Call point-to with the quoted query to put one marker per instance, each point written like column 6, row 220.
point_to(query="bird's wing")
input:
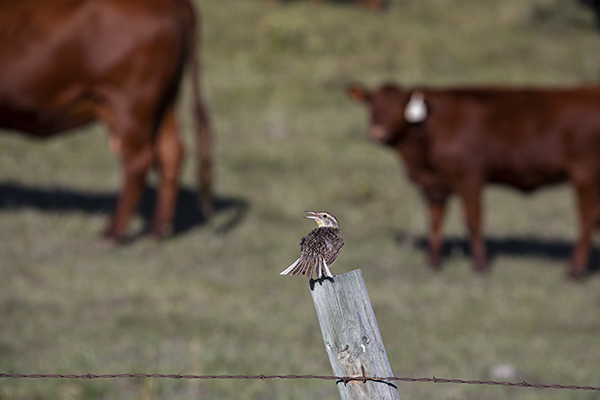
column 330, row 246
column 334, row 247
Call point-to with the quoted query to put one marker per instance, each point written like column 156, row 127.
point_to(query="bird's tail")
column 307, row 266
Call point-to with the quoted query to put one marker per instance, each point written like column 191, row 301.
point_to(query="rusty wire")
column 338, row 379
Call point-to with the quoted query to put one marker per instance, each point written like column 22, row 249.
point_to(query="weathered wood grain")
column 352, row 337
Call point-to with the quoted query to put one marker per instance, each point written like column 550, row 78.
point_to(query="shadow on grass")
column 187, row 216
column 554, row 249
column 386, row 3
column 327, row 1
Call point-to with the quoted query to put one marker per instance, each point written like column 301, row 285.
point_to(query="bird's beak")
column 313, row 216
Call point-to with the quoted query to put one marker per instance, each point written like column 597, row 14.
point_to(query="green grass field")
column 210, row 300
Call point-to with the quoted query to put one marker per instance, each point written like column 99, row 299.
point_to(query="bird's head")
column 323, row 218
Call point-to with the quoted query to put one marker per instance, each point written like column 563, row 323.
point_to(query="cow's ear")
column 358, row 93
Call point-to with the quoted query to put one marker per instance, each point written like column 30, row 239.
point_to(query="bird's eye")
column 325, row 216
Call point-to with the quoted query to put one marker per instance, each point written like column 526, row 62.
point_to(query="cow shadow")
column 188, row 214
column 386, row 3
column 348, row 2
column 552, row 249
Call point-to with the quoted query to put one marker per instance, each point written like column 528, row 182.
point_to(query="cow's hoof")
column 162, row 231
column 434, row 267
column 575, row 275
column 112, row 235
column 434, row 263
column 482, row 269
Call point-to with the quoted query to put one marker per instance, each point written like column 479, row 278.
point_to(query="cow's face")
column 387, row 106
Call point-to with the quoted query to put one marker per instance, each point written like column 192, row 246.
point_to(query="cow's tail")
column 203, row 131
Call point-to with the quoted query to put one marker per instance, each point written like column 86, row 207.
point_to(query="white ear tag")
column 416, row 110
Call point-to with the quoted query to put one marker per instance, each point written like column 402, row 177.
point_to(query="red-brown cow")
column 457, row 140
column 66, row 63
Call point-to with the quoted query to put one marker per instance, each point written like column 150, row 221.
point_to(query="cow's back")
column 521, row 137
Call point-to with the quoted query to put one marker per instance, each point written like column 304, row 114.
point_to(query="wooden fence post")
column 352, row 337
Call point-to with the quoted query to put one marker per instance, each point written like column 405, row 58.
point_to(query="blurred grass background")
column 211, row 301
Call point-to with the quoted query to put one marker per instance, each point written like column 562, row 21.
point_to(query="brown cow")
column 66, row 63
column 457, row 140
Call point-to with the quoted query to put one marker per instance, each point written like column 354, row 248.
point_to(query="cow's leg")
column 136, row 159
column 587, row 201
column 470, row 194
column 169, row 155
column 436, row 208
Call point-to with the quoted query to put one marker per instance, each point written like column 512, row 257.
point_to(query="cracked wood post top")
column 352, row 337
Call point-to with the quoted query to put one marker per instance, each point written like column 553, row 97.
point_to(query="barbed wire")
column 344, row 379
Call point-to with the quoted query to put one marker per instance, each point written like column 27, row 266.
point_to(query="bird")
column 319, row 249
